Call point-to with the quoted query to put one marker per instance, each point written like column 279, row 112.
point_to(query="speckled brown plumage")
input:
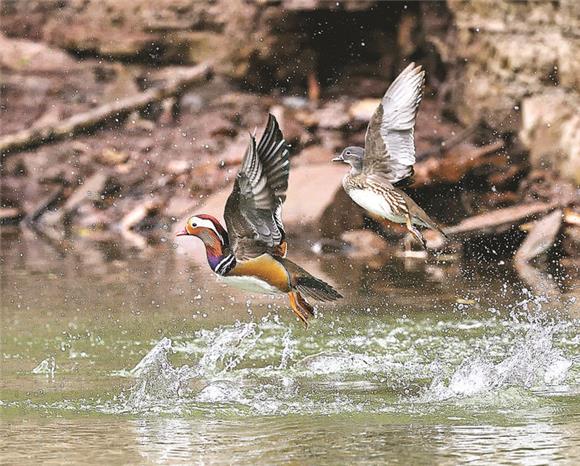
column 386, row 163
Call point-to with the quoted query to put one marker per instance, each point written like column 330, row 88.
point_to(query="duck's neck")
column 219, row 255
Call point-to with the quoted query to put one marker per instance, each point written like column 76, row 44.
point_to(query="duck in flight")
column 251, row 254
column 385, row 164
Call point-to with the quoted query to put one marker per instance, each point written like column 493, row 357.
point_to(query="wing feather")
column 253, row 209
column 389, row 141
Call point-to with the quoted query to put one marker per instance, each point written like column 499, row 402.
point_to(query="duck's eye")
column 348, row 152
column 193, row 225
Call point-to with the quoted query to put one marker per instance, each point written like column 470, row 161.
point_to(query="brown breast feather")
column 266, row 268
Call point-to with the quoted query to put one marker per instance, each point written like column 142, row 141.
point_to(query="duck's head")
column 353, row 155
column 206, row 228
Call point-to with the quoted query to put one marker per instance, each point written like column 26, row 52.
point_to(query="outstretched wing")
column 389, row 141
column 253, row 210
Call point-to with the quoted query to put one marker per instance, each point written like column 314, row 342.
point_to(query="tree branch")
column 81, row 122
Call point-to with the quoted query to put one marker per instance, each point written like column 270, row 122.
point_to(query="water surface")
column 110, row 357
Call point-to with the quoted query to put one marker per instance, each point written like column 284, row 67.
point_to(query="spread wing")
column 253, row 210
column 389, row 141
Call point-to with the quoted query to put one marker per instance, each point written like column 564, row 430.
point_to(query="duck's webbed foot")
column 300, row 307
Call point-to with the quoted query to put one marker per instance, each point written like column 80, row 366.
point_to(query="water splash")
column 46, row 367
column 226, row 348
column 533, row 361
column 337, row 362
column 382, row 366
column 222, row 391
column 157, row 357
column 157, row 379
column 159, row 382
column 288, row 349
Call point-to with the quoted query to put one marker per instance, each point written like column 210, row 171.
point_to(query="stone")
column 234, row 152
column 551, row 132
column 315, row 155
column 362, row 110
column 341, row 214
column 509, row 51
column 24, row 55
column 364, row 243
column 332, row 115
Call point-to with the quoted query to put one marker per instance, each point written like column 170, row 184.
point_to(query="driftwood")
column 499, row 220
column 541, row 237
column 10, row 215
column 571, row 217
column 90, row 189
column 538, row 281
column 114, row 111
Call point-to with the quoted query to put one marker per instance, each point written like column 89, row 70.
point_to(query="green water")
column 123, row 358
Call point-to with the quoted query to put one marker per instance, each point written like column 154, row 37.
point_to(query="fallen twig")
column 57, row 196
column 36, row 136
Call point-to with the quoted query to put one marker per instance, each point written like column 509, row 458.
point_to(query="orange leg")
column 282, row 249
column 300, row 307
column 313, row 87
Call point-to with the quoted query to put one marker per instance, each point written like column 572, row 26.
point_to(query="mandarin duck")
column 385, row 164
column 251, row 253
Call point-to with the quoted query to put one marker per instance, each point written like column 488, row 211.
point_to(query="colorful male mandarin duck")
column 251, row 254
column 386, row 162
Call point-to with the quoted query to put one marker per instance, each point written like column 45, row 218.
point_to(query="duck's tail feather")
column 306, row 284
column 315, row 288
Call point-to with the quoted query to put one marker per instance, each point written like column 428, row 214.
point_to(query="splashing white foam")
column 46, row 367
column 533, row 362
column 288, row 349
column 226, row 348
column 262, row 368
column 157, row 379
column 336, row 362
column 221, row 392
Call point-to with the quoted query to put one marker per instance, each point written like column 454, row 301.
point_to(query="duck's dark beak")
column 182, row 233
column 338, row 159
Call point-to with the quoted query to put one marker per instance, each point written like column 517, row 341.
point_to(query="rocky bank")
column 499, row 126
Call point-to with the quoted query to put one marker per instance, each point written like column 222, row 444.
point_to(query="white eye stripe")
column 204, row 223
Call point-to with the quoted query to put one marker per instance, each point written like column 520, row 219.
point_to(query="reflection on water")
column 266, row 440
column 120, row 359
